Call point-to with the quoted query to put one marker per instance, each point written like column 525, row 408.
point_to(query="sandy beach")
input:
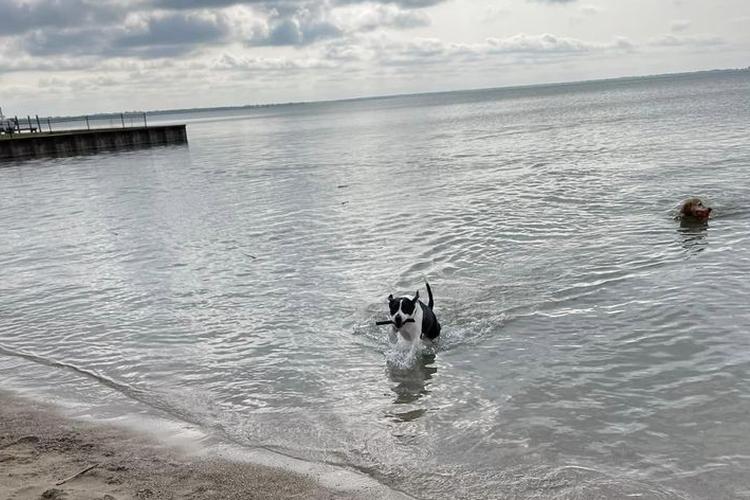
column 40, row 448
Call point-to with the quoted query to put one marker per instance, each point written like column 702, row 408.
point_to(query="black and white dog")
column 412, row 319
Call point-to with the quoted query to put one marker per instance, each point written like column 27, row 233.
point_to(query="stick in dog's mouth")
column 389, row 322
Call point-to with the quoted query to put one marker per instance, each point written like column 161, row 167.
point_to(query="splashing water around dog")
column 405, row 354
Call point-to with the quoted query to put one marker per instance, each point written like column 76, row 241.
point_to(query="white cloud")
column 369, row 17
column 229, row 62
column 545, row 43
column 671, row 40
column 425, row 51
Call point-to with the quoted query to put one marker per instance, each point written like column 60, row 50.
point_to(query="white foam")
column 405, row 355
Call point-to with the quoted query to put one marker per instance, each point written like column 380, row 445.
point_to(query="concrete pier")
column 29, row 145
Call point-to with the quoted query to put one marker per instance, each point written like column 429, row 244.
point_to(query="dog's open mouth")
column 702, row 213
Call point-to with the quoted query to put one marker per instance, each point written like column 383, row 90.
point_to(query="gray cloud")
column 310, row 23
column 286, row 4
column 18, row 17
column 298, row 26
column 70, row 42
column 199, row 4
column 177, row 29
column 679, row 25
column 294, row 32
column 287, row 32
column 404, row 4
column 163, row 36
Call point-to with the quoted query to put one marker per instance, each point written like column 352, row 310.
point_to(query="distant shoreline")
column 439, row 92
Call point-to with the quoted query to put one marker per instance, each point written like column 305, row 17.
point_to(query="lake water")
column 592, row 346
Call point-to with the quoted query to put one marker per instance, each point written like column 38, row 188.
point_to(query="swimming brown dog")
column 693, row 208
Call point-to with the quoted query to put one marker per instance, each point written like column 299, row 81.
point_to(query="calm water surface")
column 592, row 347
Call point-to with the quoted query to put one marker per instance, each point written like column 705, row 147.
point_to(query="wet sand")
column 39, row 448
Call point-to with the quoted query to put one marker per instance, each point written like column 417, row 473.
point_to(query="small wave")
column 127, row 390
column 470, row 331
column 573, row 482
column 158, row 400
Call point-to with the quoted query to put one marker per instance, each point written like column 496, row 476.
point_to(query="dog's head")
column 402, row 308
column 694, row 207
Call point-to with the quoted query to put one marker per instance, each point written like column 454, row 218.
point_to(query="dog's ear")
column 390, row 298
column 416, row 297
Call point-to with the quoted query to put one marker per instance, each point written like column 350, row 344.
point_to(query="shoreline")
column 40, row 446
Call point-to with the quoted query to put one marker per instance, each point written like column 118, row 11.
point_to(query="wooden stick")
column 389, row 322
column 76, row 474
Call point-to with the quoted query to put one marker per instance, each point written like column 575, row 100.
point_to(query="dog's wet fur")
column 425, row 324
column 693, row 209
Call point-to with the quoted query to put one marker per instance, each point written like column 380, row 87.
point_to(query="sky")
column 88, row 56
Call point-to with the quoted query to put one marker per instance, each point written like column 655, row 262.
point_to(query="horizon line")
column 437, row 92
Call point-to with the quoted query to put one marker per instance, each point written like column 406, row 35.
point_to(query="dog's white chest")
column 411, row 332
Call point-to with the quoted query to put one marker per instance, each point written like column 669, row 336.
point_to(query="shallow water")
column 592, row 346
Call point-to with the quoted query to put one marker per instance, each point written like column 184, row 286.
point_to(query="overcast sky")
column 84, row 56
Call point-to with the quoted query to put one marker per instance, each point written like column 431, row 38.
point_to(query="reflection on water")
column 693, row 233
column 412, row 380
